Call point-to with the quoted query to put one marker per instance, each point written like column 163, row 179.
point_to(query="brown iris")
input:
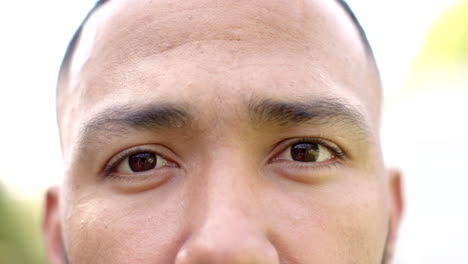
column 142, row 161
column 305, row 152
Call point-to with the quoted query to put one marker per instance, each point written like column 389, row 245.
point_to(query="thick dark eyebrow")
column 118, row 120
column 330, row 112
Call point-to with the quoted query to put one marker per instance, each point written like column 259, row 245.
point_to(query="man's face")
column 221, row 132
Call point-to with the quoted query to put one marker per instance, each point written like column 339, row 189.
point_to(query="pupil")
column 142, row 161
column 305, row 152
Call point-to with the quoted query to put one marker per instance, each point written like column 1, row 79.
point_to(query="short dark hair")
column 74, row 41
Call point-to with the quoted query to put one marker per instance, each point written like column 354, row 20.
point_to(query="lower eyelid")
column 161, row 162
column 145, row 181
column 125, row 154
column 307, row 173
column 307, row 165
column 140, row 174
column 287, row 152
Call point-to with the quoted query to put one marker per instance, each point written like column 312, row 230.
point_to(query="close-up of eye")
column 313, row 152
column 139, row 162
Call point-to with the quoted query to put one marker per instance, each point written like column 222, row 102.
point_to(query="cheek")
column 331, row 223
column 124, row 229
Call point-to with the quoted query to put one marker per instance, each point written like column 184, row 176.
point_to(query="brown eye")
column 307, row 152
column 142, row 162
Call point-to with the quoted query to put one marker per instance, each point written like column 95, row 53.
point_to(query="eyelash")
column 337, row 151
column 120, row 157
column 305, row 171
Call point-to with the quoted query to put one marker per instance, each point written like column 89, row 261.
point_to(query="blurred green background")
column 20, row 235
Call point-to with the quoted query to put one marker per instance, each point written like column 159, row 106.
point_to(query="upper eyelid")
column 122, row 155
column 283, row 145
column 287, row 143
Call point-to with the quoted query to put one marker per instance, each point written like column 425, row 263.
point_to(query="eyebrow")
column 118, row 120
column 332, row 112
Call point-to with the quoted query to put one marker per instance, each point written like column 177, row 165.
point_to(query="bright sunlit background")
column 422, row 51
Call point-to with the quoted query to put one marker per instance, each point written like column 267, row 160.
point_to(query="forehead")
column 179, row 50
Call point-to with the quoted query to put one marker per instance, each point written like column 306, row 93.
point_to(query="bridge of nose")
column 227, row 223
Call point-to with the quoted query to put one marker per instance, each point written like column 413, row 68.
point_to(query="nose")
column 228, row 229
column 226, row 247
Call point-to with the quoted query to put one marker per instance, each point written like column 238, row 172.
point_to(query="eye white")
column 307, row 152
column 140, row 162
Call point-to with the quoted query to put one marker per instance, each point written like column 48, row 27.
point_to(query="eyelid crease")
column 285, row 144
column 121, row 156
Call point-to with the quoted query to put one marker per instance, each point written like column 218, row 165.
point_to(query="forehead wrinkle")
column 163, row 31
column 113, row 63
column 132, row 42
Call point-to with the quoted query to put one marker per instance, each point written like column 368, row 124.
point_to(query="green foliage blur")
column 20, row 231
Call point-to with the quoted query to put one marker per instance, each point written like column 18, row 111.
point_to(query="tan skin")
column 218, row 98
